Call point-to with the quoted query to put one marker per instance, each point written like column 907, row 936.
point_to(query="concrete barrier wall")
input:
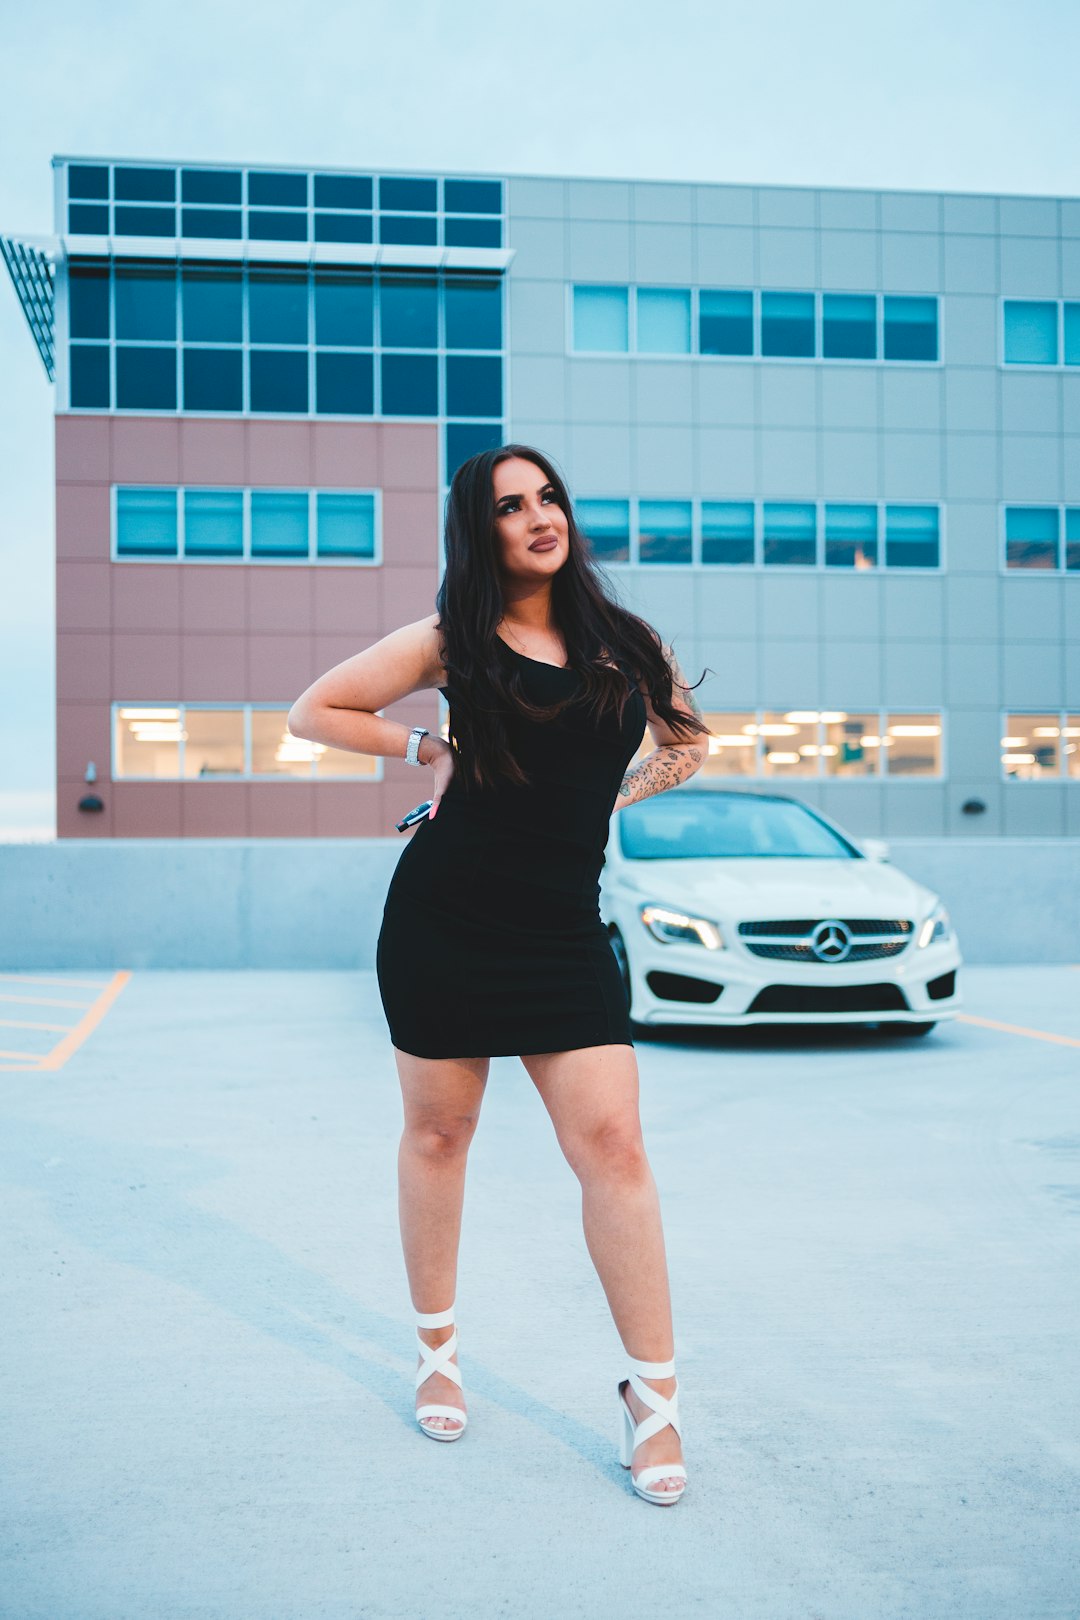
column 317, row 903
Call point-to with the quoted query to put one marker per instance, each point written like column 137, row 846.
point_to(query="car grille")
column 868, row 939
column 812, row 998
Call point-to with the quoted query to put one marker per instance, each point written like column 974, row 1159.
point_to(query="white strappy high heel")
column 665, row 1411
column 436, row 1359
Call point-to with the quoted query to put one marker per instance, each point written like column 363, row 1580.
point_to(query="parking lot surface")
column 207, row 1346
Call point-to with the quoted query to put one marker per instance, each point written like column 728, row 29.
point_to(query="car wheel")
column 618, row 948
column 907, row 1029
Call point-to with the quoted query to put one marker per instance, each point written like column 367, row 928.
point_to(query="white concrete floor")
column 206, row 1342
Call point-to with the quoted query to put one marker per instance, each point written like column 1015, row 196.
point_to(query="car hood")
column 776, row 888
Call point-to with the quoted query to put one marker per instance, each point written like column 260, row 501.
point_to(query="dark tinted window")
column 277, row 306
column 407, row 229
column 849, row 326
column 145, row 221
column 727, row 532
column 145, row 302
column 733, row 826
column 787, row 324
column 726, row 322
column 88, row 219
column 89, row 380
column 210, row 185
column 473, row 314
column 344, row 384
column 213, row 380
column 410, row 385
column 408, row 312
column 473, row 233
column 279, row 380
column 342, row 191
column 212, row 305
column 911, row 328
column 144, row 185
column 88, row 180
column 473, row 385
column 223, row 223
column 472, row 197
column 465, row 439
column 266, row 225
column 343, row 227
column 790, row 534
column 420, row 196
column 145, row 379
column 88, row 301
column 344, row 307
column 278, row 190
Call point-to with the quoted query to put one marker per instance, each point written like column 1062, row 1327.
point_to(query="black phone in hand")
column 415, row 815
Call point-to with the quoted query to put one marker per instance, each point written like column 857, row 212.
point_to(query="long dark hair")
column 470, row 604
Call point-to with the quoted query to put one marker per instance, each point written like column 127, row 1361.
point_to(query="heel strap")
column 651, row 1369
column 434, row 1319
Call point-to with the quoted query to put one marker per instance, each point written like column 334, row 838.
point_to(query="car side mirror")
column 875, row 849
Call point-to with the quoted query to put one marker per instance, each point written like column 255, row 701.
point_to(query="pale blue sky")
column 964, row 95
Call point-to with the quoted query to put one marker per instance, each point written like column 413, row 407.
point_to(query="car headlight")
column 936, row 927
column 675, row 928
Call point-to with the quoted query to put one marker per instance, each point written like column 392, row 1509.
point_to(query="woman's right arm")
column 339, row 708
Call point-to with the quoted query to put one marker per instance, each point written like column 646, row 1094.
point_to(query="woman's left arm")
column 676, row 757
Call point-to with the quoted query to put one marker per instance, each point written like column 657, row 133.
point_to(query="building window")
column 465, row 439
column 911, row 328
column 789, row 531
column 606, row 525
column 727, row 533
column 224, row 742
column 235, row 525
column 812, row 743
column 787, row 324
column 663, row 320
column 911, row 537
column 1041, row 747
column 665, row 531
column 1031, row 332
column 726, row 322
column 851, row 535
column 1031, row 536
column 602, row 320
column 849, row 326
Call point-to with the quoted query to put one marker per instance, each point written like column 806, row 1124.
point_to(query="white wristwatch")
column 412, row 747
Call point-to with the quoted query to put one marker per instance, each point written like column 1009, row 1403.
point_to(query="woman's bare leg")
column 441, row 1098
column 592, row 1097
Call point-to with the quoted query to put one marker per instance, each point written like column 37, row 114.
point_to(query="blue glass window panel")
column 472, row 196
column 790, row 530
column 344, row 309
column 278, row 380
column 465, row 439
column 473, row 314
column 88, row 219
column 410, row 230
column 89, row 180
column 345, row 525
column 213, row 523
column 787, row 324
column 1072, row 334
column 1030, row 332
column 473, row 385
column 277, row 190
column 1031, row 537
column 726, row 322
column 88, row 301
column 410, row 385
column 664, row 530
column 343, row 227
column 144, row 185
column 606, row 525
column 849, row 326
column 146, row 523
column 213, row 379
column 663, row 321
column 212, row 302
column 278, row 306
column 602, row 319
column 911, row 328
column 408, row 312
column 727, row 532
column 851, row 536
column 343, row 191
column 88, row 382
column 145, row 302
column 210, row 186
column 207, row 224
column 411, row 196
column 911, row 537
column 1072, row 539
column 268, row 225
column 145, row 378
column 473, row 233
column 145, row 221
column 279, row 523
column 344, row 384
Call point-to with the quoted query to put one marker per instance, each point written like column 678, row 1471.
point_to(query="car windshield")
column 684, row 826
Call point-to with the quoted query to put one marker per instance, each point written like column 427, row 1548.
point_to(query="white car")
column 750, row 908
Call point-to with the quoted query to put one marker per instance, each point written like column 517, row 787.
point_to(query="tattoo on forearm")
column 679, row 680
column 662, row 769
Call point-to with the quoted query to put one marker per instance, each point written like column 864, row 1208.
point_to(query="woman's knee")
column 441, row 1138
column 611, row 1149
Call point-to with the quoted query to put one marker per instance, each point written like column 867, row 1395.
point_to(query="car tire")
column 906, row 1031
column 618, row 948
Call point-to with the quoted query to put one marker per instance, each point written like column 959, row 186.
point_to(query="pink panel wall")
column 129, row 631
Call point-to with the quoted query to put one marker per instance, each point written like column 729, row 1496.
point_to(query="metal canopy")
column 32, row 269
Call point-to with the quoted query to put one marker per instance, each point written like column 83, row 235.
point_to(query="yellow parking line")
column 44, row 1001
column 1018, row 1029
column 39, row 978
column 20, row 1054
column 21, row 1023
column 74, row 1039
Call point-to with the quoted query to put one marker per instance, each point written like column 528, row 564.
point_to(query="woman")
column 491, row 941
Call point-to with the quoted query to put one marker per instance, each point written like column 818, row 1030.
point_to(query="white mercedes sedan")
column 750, row 908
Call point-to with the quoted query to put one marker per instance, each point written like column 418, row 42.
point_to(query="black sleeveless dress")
column 491, row 942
